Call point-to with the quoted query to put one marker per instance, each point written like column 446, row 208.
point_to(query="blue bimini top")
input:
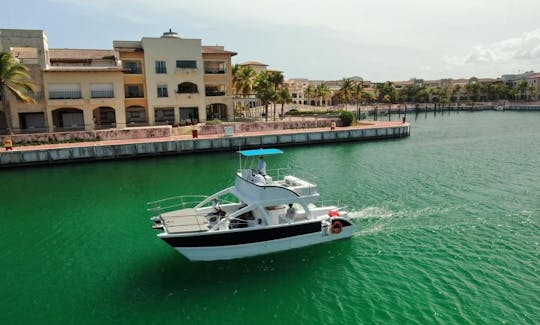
column 260, row 152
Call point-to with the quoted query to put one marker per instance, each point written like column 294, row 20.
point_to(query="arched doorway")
column 216, row 111
column 104, row 117
column 68, row 119
column 136, row 116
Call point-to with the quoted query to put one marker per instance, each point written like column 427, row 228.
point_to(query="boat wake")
column 371, row 213
column 375, row 214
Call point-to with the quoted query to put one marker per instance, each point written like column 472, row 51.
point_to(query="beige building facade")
column 154, row 81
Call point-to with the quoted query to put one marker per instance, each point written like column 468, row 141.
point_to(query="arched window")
column 187, row 88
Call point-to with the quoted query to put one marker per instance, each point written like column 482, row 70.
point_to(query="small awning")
column 260, row 152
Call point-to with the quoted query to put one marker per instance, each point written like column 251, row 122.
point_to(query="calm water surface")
column 448, row 232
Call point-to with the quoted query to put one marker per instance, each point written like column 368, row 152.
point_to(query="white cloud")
column 523, row 48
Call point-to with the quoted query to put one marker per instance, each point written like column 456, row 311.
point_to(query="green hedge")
column 347, row 118
column 295, row 112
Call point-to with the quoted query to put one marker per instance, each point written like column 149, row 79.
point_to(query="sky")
column 320, row 40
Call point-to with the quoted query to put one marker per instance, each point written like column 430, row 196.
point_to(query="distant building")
column 531, row 77
column 163, row 80
column 257, row 66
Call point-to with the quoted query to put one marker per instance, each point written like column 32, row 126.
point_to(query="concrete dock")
column 185, row 144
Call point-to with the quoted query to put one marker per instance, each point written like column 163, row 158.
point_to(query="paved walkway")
column 371, row 125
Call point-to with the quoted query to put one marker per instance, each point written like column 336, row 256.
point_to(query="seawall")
column 39, row 155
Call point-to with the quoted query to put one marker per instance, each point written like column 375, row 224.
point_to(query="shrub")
column 347, row 118
column 293, row 111
column 214, row 122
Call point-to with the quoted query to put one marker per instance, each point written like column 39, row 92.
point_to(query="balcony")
column 214, row 93
column 214, row 71
column 71, row 94
column 134, row 95
column 214, row 67
column 215, row 90
column 102, row 93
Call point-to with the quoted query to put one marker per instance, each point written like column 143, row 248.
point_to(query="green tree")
column 243, row 80
column 276, row 78
column 14, row 79
column 473, row 90
column 323, row 92
column 283, row 96
column 264, row 90
column 346, row 90
column 532, row 92
column 358, row 90
column 308, row 92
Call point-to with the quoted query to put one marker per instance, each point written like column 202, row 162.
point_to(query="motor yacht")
column 259, row 214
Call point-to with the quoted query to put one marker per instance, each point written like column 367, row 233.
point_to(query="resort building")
column 162, row 80
column 532, row 78
column 248, row 101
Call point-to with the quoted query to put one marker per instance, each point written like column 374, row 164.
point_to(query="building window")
column 164, row 115
column 134, row 91
column 161, row 67
column 132, row 67
column 162, row 91
column 186, row 64
column 187, row 88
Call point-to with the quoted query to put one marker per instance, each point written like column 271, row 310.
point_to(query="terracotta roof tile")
column 253, row 63
column 216, row 50
column 81, row 54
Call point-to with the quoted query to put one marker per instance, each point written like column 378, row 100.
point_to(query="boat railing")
column 333, row 203
column 280, row 173
column 175, row 203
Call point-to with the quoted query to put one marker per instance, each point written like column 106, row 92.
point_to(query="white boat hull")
column 212, row 253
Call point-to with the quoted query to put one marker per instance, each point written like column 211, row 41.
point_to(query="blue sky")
column 377, row 40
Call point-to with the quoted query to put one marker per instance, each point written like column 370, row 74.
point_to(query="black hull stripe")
column 243, row 236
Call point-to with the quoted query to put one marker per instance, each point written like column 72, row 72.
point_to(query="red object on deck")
column 333, row 213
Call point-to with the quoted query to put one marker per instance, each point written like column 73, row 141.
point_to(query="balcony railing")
column 72, row 94
column 214, row 93
column 102, row 93
column 214, row 71
column 135, row 95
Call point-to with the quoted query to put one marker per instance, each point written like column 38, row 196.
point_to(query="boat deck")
column 185, row 220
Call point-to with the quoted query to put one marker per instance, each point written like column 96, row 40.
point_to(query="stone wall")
column 96, row 135
column 271, row 126
column 188, row 146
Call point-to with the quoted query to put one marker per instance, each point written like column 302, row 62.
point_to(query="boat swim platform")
column 177, row 145
column 182, row 221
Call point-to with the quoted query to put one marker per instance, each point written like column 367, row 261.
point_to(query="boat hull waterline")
column 211, row 252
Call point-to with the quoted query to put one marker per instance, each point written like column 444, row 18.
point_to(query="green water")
column 448, row 232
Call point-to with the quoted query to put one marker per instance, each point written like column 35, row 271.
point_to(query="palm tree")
column 14, row 79
column 357, row 92
column 276, row 78
column 501, row 90
column 323, row 92
column 308, row 92
column 386, row 92
column 444, row 95
column 532, row 92
column 524, row 90
column 243, row 79
column 456, row 94
column 283, row 96
column 346, row 90
column 264, row 90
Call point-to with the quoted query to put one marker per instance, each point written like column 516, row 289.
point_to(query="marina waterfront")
column 448, row 232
